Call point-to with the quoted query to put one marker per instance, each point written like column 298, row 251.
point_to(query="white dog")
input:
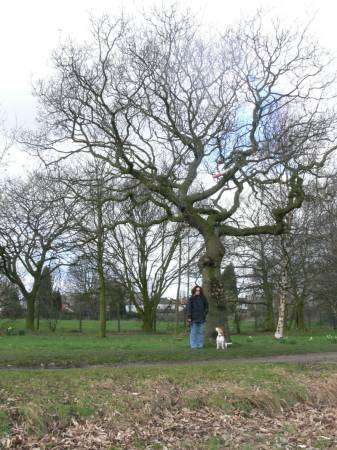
column 220, row 340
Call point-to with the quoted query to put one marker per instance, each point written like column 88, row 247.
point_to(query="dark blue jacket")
column 197, row 308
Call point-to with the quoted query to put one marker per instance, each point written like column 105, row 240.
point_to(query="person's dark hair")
column 197, row 287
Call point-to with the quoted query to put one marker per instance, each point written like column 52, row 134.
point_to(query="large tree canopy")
column 162, row 103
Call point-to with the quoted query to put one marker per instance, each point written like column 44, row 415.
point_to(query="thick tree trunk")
column 148, row 313
column 148, row 322
column 210, row 266
column 147, row 325
column 31, row 296
column 30, row 312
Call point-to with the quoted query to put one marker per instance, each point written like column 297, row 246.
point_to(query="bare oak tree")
column 163, row 104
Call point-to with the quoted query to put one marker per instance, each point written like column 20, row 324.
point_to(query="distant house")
column 166, row 305
column 67, row 308
column 242, row 305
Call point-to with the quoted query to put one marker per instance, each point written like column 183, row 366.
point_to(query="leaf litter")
column 157, row 418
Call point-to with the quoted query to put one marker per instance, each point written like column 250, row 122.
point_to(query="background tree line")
column 251, row 275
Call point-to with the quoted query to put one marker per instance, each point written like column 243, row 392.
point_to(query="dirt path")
column 296, row 358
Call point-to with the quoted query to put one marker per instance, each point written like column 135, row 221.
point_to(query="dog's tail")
column 229, row 343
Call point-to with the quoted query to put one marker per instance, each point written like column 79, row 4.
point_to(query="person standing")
column 196, row 311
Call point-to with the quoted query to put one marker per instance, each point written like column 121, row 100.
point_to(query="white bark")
column 284, row 288
column 282, row 304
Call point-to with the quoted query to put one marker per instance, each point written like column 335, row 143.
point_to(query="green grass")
column 133, row 325
column 67, row 348
column 34, row 350
column 90, row 326
column 129, row 326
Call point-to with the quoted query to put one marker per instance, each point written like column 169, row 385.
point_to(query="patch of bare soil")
column 296, row 358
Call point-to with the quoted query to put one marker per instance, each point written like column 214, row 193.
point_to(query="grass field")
column 67, row 348
column 91, row 327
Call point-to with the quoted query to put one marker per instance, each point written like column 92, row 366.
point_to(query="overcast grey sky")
column 31, row 29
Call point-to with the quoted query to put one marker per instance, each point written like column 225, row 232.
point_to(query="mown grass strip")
column 69, row 350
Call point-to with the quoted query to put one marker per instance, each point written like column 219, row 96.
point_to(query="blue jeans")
column 197, row 334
